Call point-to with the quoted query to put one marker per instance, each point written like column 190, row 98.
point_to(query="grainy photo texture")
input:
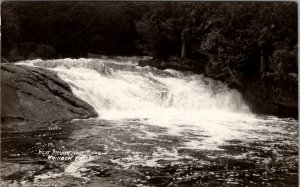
column 149, row 94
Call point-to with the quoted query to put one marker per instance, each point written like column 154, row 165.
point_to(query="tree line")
column 246, row 37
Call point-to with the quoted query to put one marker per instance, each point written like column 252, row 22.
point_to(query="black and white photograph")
column 149, row 94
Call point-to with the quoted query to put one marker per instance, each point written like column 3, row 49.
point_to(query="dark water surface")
column 138, row 153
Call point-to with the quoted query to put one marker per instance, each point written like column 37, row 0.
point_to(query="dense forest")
column 241, row 43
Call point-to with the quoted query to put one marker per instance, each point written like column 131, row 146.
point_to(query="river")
column 155, row 128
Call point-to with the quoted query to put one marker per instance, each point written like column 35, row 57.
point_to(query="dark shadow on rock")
column 31, row 95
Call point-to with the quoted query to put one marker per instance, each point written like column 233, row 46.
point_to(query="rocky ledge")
column 35, row 96
column 263, row 96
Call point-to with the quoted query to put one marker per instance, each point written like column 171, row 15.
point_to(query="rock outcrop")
column 269, row 96
column 263, row 96
column 36, row 95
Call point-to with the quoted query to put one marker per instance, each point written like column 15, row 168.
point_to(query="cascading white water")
column 164, row 120
column 124, row 90
column 180, row 101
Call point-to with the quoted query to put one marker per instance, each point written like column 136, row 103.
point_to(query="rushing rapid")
column 124, row 90
column 163, row 128
column 121, row 90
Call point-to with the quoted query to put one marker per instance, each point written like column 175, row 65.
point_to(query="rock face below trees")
column 269, row 96
column 35, row 95
column 263, row 96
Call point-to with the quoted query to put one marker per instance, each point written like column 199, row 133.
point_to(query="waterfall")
column 121, row 89
column 166, row 121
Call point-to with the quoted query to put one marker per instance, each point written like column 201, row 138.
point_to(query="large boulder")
column 270, row 96
column 35, row 95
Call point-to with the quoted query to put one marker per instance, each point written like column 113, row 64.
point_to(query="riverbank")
column 263, row 95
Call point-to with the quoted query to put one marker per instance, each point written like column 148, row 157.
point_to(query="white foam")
column 171, row 99
column 159, row 154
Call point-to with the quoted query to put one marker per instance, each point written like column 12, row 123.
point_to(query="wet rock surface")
column 31, row 96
